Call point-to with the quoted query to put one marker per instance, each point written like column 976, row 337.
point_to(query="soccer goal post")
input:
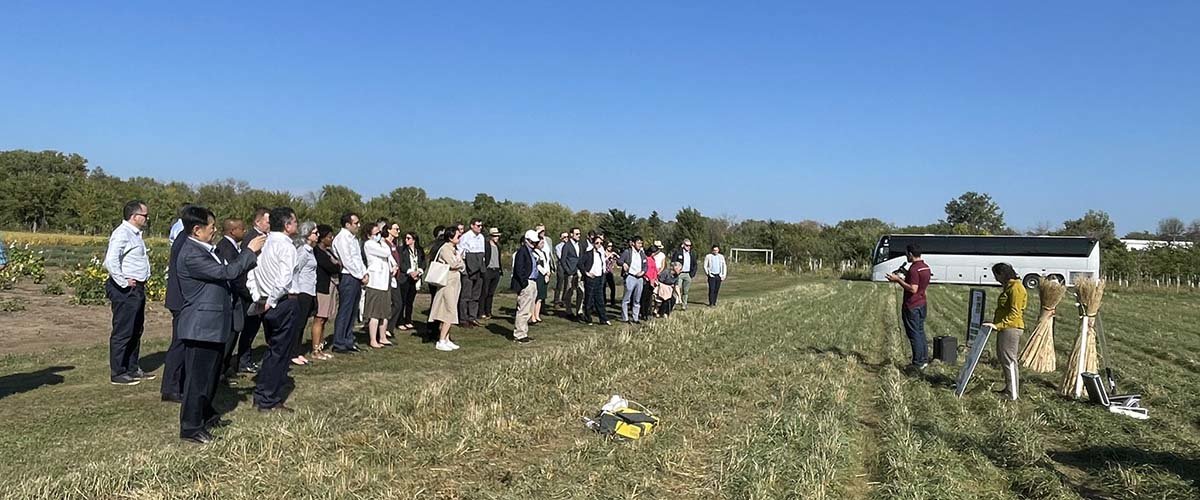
column 768, row 255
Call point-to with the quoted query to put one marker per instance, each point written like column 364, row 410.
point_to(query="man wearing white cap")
column 525, row 276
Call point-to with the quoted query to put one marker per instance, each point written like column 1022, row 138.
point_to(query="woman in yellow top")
column 1009, row 322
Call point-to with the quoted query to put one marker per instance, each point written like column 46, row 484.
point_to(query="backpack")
column 623, row 422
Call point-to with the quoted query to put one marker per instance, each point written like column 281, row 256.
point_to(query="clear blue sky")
column 786, row 110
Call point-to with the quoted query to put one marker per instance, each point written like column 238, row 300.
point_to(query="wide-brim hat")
column 494, row 232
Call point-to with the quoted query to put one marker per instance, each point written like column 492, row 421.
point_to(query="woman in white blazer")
column 377, row 306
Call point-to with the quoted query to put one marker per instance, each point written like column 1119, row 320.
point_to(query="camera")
column 902, row 270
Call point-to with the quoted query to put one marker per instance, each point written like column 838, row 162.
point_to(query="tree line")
column 55, row 191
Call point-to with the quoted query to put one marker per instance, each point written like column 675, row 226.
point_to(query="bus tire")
column 1032, row 281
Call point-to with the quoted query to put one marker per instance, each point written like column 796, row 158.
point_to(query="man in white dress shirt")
column 348, row 250
column 471, row 247
column 269, row 284
column 128, row 269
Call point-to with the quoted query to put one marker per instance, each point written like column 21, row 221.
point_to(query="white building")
column 1148, row 244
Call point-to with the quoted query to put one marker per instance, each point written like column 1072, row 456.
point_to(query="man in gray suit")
column 204, row 322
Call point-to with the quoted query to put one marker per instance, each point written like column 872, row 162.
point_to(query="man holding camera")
column 914, row 283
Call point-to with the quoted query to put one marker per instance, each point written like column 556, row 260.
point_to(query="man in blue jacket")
column 203, row 323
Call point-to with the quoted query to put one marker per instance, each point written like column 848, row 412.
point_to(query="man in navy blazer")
column 204, row 322
column 525, row 276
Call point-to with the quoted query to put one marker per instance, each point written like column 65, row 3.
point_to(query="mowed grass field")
column 791, row 388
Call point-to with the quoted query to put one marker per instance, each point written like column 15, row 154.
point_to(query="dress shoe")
column 217, row 422
column 277, row 408
column 141, row 375
column 172, row 398
column 124, row 379
column 202, row 437
column 250, row 368
column 524, row 340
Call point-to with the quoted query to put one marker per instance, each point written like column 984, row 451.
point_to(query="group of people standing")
column 277, row 274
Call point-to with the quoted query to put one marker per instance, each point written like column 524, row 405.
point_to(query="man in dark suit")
column 172, row 382
column 204, row 320
column 491, row 274
column 251, row 322
column 685, row 256
column 568, row 268
column 228, row 249
column 591, row 266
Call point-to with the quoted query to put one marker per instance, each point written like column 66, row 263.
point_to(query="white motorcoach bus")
column 968, row 259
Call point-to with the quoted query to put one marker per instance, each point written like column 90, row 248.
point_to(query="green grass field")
column 792, row 388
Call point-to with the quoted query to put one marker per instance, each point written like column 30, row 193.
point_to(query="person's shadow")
column 24, row 382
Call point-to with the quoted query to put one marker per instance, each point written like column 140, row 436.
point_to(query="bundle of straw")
column 1090, row 293
column 1039, row 351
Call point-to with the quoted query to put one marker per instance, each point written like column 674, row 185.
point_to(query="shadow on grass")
column 861, row 359
column 1097, row 458
column 25, row 382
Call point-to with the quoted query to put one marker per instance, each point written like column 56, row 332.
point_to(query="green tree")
column 618, row 226
column 976, row 213
column 1171, row 229
column 36, row 184
column 690, row 225
column 335, row 200
column 1094, row 224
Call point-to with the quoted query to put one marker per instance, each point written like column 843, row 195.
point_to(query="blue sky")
column 784, row 110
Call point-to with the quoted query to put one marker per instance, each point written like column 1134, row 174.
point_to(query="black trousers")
column 714, row 287
column 406, row 288
column 593, row 296
column 245, row 342
column 202, row 364
column 611, row 284
column 491, row 281
column 173, row 373
column 560, row 286
column 305, row 304
column 666, row 306
column 647, row 299
column 278, row 328
column 128, row 324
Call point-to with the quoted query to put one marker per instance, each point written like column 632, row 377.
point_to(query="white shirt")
column 543, row 261
column 380, row 264
column 660, row 260
column 470, row 242
column 272, row 279
column 346, row 249
column 687, row 262
column 176, row 228
column 635, row 262
column 304, row 275
column 714, row 265
column 126, row 256
column 558, row 249
column 597, row 269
